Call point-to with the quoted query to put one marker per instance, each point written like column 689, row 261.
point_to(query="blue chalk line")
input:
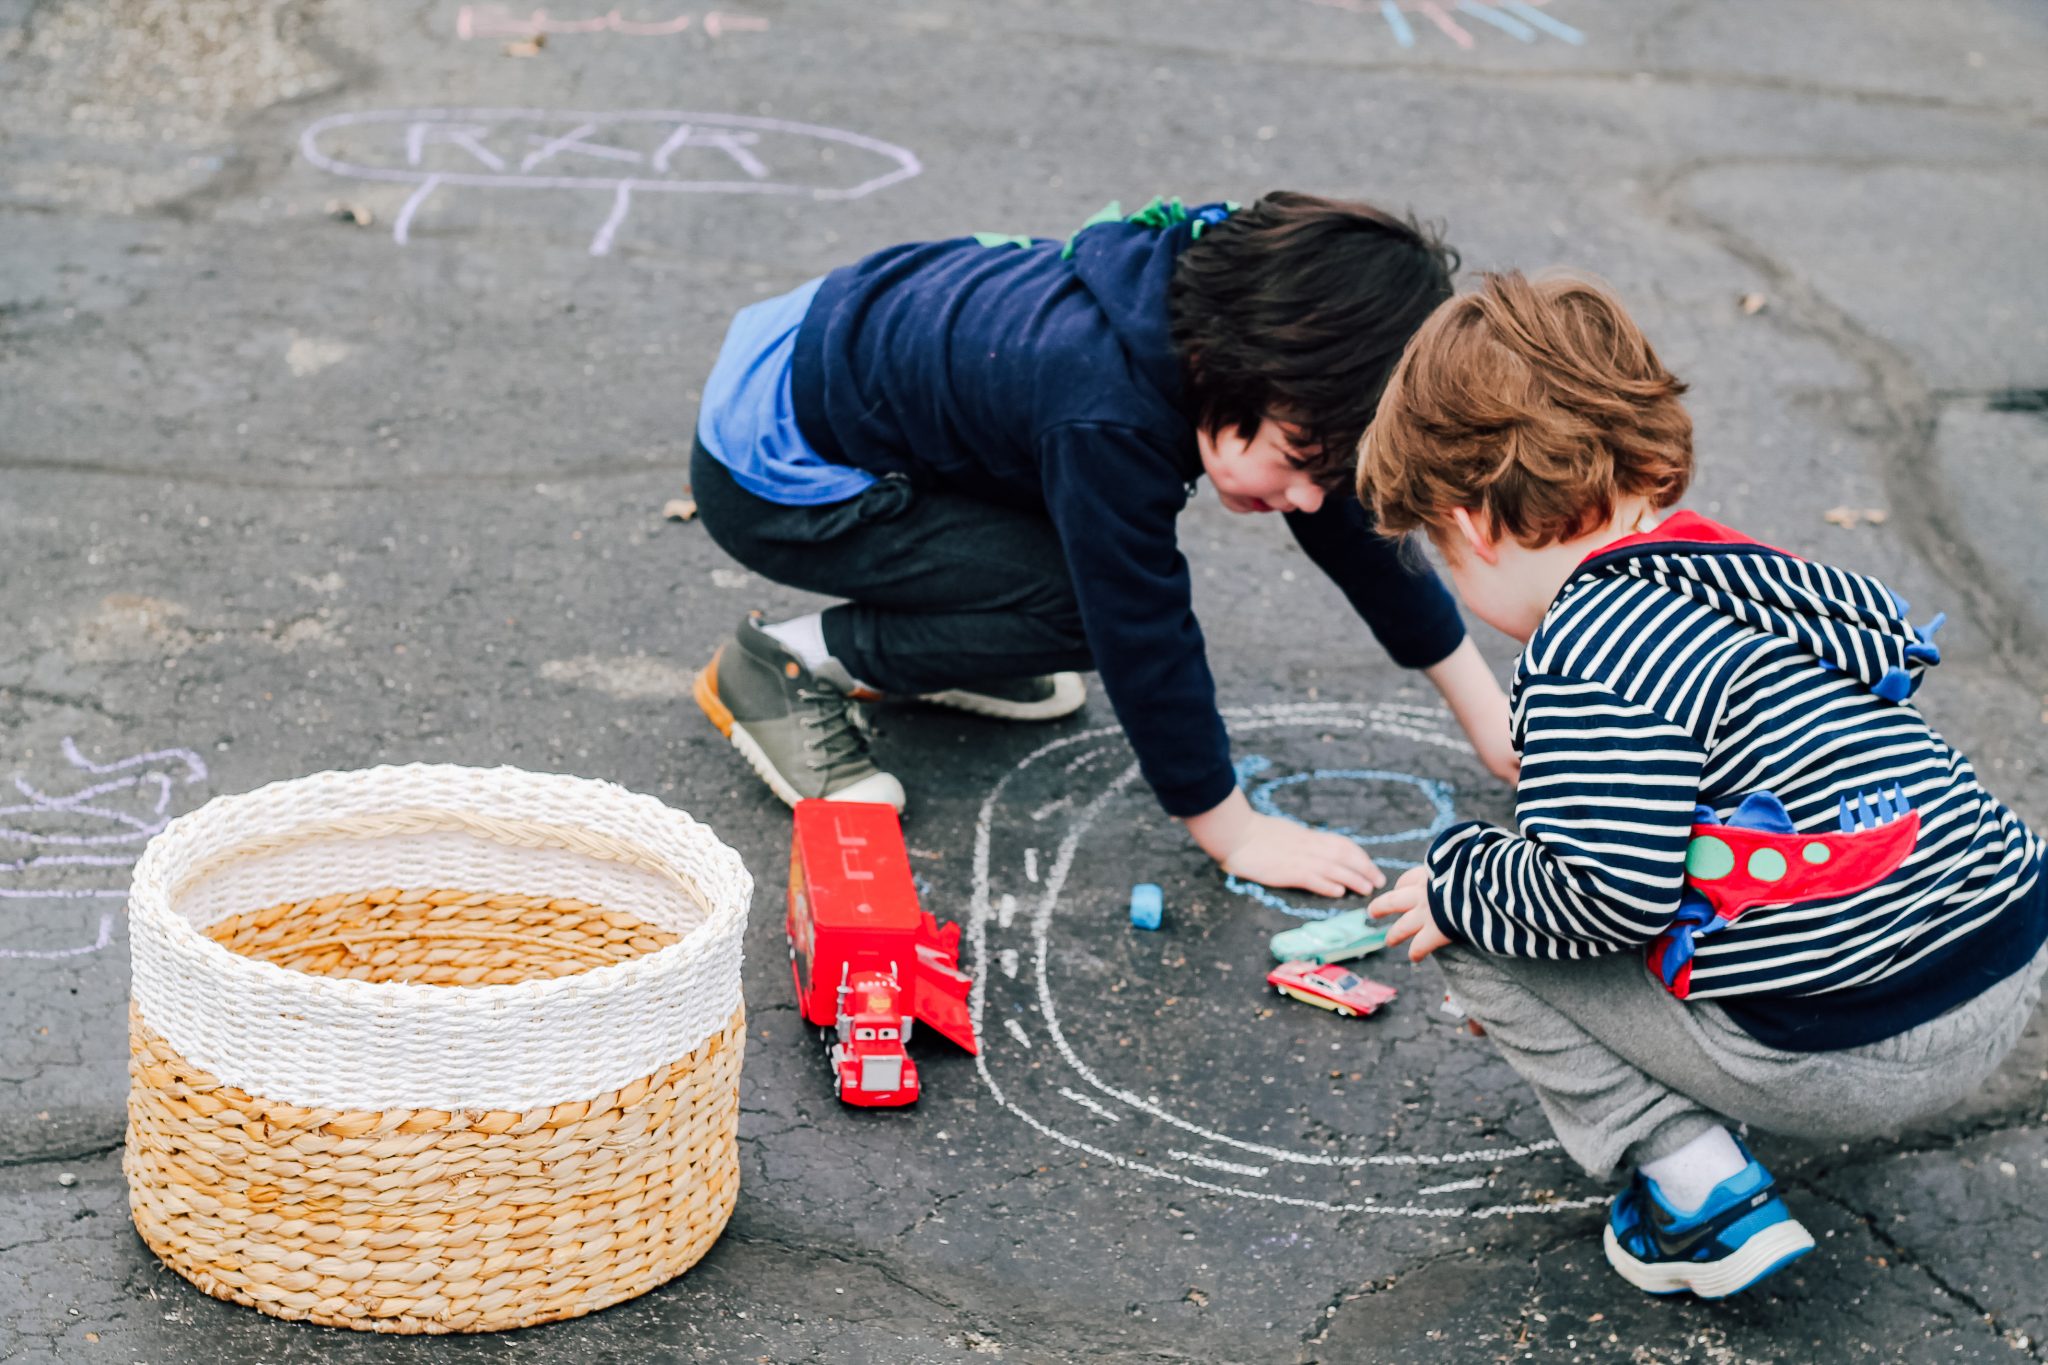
column 1507, row 24
column 1397, row 21
column 1438, row 793
column 1529, row 14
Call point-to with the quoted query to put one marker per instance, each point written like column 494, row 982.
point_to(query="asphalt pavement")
column 348, row 358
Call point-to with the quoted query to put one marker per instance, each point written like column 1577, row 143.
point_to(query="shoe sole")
column 1767, row 1252
column 705, row 689
column 1069, row 694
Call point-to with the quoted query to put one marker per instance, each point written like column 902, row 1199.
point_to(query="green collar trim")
column 1160, row 214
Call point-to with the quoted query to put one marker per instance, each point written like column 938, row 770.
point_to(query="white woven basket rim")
column 150, row 896
column 692, row 1003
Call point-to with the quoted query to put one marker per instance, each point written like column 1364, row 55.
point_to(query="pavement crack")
column 1907, row 406
column 1903, row 1255
column 16, row 693
column 76, row 1154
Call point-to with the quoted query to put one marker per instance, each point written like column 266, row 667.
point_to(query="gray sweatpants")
column 1627, row 1072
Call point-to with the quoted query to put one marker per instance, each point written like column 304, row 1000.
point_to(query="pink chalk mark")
column 652, row 29
column 716, row 23
column 1439, row 16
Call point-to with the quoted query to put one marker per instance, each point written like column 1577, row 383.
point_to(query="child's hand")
column 1410, row 900
column 1282, row 853
column 1481, row 707
column 1491, row 741
column 1274, row 852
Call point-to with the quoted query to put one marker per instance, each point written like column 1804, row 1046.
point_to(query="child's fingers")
column 1428, row 939
column 1362, row 883
column 1399, row 901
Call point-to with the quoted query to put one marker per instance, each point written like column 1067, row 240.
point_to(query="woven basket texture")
column 471, row 1061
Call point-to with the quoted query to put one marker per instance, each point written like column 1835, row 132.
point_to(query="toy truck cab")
column 869, row 1063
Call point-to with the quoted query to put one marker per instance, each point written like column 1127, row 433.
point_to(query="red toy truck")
column 867, row 960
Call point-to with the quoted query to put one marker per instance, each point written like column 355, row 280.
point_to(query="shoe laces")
column 839, row 724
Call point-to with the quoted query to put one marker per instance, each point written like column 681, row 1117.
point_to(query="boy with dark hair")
column 983, row 443
column 1748, row 883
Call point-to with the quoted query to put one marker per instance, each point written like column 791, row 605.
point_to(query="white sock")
column 1688, row 1175
column 803, row 636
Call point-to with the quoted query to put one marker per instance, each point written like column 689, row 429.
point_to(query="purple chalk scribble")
column 623, row 153
column 44, row 820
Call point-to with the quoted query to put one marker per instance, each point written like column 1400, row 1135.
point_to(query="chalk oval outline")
column 1405, row 721
column 907, row 163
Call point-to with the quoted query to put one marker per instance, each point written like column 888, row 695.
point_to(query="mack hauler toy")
column 868, row 961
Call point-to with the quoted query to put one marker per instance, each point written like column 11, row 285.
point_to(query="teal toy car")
column 1351, row 934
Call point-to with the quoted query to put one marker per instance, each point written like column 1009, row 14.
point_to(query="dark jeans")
column 945, row 590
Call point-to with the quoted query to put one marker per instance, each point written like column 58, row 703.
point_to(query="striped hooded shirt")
column 1689, row 667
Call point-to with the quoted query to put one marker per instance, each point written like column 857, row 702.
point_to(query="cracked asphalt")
column 305, row 468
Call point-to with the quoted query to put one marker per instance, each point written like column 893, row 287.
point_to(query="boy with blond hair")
column 1748, row 883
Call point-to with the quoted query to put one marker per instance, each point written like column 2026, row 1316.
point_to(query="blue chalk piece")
column 1398, row 22
column 1148, row 902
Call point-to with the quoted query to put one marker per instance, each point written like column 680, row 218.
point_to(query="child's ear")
column 1475, row 536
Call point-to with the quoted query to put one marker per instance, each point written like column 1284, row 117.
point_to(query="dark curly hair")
column 1296, row 308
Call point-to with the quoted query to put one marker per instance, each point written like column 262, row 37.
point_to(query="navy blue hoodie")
column 1045, row 378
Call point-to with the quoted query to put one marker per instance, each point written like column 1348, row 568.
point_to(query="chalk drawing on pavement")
column 1040, row 1077
column 620, row 153
column 1261, row 795
column 1521, row 20
column 102, row 824
column 485, row 21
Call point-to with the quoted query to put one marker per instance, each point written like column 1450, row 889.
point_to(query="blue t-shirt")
column 748, row 421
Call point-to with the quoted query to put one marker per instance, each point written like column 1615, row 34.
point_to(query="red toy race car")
column 866, row 959
column 1330, row 986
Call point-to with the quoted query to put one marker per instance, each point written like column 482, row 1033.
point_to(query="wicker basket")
column 434, row 1049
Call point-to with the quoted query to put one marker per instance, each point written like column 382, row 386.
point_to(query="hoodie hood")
column 1847, row 621
column 1126, row 263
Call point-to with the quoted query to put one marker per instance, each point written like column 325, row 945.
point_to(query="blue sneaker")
column 1741, row 1234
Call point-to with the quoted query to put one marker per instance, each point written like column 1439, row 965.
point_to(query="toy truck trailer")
column 867, row 960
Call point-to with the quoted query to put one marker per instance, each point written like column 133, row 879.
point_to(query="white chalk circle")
column 1010, row 932
column 622, row 152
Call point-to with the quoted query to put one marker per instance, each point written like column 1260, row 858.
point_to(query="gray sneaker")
column 799, row 732
column 1042, row 698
